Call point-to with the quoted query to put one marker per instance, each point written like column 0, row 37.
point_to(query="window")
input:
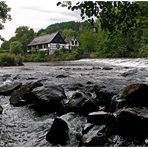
column 76, row 42
column 57, row 46
column 72, row 42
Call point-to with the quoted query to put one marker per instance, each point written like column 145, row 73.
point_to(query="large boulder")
column 132, row 122
column 8, row 88
column 48, row 98
column 23, row 95
column 132, row 95
column 59, row 132
column 101, row 117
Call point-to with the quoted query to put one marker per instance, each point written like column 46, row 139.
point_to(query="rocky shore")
column 73, row 104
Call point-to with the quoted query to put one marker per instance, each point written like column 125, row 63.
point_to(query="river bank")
column 22, row 126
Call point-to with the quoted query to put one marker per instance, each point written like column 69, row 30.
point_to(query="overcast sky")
column 36, row 14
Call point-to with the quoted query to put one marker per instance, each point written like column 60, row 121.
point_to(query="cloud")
column 36, row 14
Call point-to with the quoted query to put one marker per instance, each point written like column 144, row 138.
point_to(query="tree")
column 4, row 10
column 16, row 47
column 68, row 33
column 113, row 16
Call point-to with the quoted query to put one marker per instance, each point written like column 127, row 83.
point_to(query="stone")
column 1, row 109
column 23, row 95
column 95, row 136
column 8, row 88
column 101, row 117
column 59, row 132
column 48, row 98
column 82, row 103
column 61, row 76
column 133, row 95
column 132, row 122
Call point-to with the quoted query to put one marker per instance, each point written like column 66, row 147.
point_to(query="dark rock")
column 61, row 76
column 107, row 68
column 101, row 117
column 75, row 86
column 86, row 128
column 132, row 122
column 7, row 89
column 23, row 95
column 59, row 132
column 83, row 103
column 48, row 99
column 76, row 123
column 95, row 136
column 1, row 110
column 132, row 95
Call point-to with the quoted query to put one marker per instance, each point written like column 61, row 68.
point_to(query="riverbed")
column 21, row 126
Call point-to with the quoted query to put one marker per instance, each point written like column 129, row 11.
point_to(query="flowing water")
column 21, row 126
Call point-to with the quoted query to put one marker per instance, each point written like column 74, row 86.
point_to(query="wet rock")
column 101, row 117
column 83, row 103
column 8, row 88
column 76, row 123
column 75, row 86
column 132, row 95
column 129, row 73
column 107, row 68
column 132, row 122
column 48, row 98
column 86, row 128
column 1, row 109
column 95, row 136
column 23, row 95
column 59, row 132
column 61, row 76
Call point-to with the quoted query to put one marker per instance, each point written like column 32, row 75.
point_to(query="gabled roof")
column 43, row 39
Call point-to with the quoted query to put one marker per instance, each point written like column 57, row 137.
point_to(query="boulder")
column 1, row 109
column 83, row 103
column 95, row 136
column 132, row 122
column 48, row 98
column 23, row 95
column 61, row 76
column 101, row 117
column 132, row 95
column 8, row 88
column 59, row 132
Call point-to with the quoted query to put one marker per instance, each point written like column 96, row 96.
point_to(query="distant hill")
column 60, row 27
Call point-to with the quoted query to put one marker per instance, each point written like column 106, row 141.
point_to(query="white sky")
column 35, row 14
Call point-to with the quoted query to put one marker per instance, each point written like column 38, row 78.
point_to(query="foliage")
column 59, row 27
column 7, row 59
column 113, row 16
column 4, row 15
column 16, row 47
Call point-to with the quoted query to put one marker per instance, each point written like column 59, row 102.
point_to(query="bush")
column 16, row 47
column 10, row 60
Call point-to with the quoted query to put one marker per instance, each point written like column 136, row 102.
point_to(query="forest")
column 97, row 40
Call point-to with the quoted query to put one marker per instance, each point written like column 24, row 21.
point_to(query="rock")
column 86, row 128
column 101, row 117
column 8, row 88
column 132, row 122
column 129, row 73
column 1, row 109
column 94, row 137
column 48, row 98
column 61, row 76
column 23, row 95
column 75, row 86
column 107, row 68
column 83, row 103
column 76, row 123
column 132, row 95
column 59, row 132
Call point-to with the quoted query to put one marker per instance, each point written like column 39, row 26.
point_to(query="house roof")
column 43, row 39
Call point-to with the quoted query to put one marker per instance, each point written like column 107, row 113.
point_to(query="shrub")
column 10, row 60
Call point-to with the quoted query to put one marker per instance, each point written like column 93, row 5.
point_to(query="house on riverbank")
column 48, row 43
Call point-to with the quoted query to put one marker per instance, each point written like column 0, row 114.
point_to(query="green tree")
column 68, row 33
column 16, row 47
column 113, row 15
column 4, row 15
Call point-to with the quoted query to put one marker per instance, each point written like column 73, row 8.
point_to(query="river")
column 21, row 126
